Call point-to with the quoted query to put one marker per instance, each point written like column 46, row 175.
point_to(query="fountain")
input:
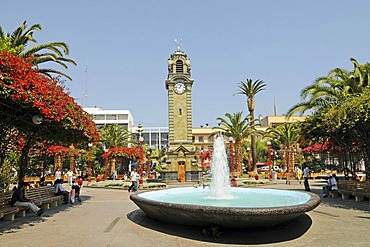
column 223, row 205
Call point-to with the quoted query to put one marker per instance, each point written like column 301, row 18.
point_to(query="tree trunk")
column 23, row 159
column 253, row 140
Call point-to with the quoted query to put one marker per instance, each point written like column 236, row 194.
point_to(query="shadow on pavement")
column 31, row 219
column 280, row 233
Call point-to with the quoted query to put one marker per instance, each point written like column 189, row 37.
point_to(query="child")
column 73, row 193
column 76, row 191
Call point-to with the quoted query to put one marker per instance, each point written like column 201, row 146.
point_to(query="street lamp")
column 89, row 163
column 148, row 162
column 231, row 141
column 269, row 159
column 141, row 140
column 106, row 163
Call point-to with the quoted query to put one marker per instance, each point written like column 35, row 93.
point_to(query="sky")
column 121, row 48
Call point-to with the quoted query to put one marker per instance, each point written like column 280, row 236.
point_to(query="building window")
column 201, row 139
column 122, row 116
column 179, row 66
column 111, row 117
column 210, row 139
column 99, row 117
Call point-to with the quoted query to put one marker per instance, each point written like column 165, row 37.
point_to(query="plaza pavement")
column 107, row 217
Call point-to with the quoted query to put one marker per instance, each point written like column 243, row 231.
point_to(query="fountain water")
column 222, row 205
column 220, row 183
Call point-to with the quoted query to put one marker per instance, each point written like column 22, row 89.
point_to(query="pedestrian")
column 306, row 175
column 58, row 174
column 134, row 183
column 70, row 177
column 19, row 199
column 114, row 175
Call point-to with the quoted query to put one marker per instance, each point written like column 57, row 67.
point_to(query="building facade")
column 105, row 117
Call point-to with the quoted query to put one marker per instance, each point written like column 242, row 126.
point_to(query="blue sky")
column 125, row 46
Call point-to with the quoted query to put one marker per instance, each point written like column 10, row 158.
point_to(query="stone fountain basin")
column 255, row 211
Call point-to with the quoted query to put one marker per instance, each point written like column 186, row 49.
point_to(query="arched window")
column 179, row 66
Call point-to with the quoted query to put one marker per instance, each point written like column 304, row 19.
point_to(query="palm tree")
column 115, row 136
column 238, row 128
column 288, row 136
column 333, row 89
column 159, row 156
column 250, row 89
column 42, row 53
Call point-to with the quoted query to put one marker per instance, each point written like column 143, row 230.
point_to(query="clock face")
column 179, row 88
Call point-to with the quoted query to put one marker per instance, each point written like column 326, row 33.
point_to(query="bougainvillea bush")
column 24, row 93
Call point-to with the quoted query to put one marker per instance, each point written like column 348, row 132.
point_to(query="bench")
column 7, row 211
column 359, row 190
column 44, row 197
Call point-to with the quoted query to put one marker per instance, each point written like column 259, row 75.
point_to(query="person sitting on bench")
column 59, row 190
column 19, row 199
column 332, row 185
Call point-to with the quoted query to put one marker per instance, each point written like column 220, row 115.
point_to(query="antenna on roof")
column 85, row 96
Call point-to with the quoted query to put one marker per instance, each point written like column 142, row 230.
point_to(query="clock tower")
column 181, row 162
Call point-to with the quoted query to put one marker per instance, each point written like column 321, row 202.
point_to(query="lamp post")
column 269, row 159
column 106, row 163
column 148, row 164
column 141, row 140
column 89, row 163
column 231, row 141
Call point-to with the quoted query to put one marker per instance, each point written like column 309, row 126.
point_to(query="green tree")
column 239, row 128
column 250, row 89
column 288, row 136
column 50, row 52
column 159, row 156
column 115, row 135
column 333, row 89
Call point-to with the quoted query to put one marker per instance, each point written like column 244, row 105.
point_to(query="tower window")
column 179, row 66
column 180, row 112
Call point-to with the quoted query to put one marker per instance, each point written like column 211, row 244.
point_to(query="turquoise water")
column 238, row 198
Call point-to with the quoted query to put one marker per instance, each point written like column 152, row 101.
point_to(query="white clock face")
column 179, row 88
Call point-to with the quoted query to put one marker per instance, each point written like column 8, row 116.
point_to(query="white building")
column 103, row 117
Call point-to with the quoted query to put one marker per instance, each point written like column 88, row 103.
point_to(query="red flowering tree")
column 26, row 97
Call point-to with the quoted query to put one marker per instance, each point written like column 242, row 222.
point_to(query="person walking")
column 19, row 199
column 70, row 177
column 58, row 174
column 134, row 181
column 306, row 175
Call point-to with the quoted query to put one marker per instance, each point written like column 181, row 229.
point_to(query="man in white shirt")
column 58, row 174
column 134, row 181
column 70, row 177
column 332, row 185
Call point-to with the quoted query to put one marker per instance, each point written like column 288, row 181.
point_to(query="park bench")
column 7, row 211
column 44, row 197
column 359, row 190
